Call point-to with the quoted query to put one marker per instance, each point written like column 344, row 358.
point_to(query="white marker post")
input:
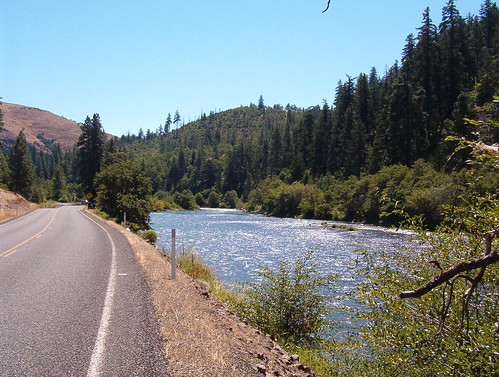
column 174, row 262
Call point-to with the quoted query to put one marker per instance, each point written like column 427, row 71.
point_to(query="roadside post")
column 174, row 262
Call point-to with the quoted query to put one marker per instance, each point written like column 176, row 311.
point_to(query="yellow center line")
column 12, row 250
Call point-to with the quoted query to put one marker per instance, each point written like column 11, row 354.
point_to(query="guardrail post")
column 174, row 261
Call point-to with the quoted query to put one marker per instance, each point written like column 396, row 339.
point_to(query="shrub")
column 193, row 265
column 289, row 303
column 150, row 236
column 185, row 199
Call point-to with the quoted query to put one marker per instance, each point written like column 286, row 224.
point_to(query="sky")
column 134, row 62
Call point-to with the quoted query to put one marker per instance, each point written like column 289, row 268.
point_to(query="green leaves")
column 289, row 303
column 121, row 188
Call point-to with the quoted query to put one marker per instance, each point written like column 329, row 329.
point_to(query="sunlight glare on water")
column 235, row 243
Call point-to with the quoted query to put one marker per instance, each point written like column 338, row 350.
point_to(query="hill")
column 41, row 128
column 13, row 205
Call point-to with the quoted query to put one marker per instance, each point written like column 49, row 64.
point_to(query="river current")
column 235, row 243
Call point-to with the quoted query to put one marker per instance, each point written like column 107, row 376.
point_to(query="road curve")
column 73, row 300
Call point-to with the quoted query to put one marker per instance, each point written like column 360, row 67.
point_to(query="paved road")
column 73, row 300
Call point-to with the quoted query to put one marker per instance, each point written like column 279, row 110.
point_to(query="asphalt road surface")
column 73, row 300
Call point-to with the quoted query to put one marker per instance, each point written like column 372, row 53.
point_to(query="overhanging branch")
column 445, row 276
column 450, row 273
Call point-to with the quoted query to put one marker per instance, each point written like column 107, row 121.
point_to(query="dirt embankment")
column 203, row 337
column 12, row 205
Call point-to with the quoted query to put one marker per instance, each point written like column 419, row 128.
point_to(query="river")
column 235, row 243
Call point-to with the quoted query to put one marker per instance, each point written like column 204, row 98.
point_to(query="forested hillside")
column 448, row 72
column 383, row 139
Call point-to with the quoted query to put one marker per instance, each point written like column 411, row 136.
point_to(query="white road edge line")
column 7, row 222
column 94, row 369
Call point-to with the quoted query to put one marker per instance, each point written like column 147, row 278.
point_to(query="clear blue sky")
column 133, row 62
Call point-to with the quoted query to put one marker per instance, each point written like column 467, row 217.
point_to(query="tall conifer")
column 90, row 151
column 22, row 175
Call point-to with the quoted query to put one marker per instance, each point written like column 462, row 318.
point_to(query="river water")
column 235, row 243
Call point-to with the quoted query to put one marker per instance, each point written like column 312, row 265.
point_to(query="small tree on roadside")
column 121, row 188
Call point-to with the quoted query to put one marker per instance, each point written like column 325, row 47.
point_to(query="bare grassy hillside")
column 12, row 205
column 41, row 127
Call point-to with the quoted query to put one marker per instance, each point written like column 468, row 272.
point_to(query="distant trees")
column 90, row 151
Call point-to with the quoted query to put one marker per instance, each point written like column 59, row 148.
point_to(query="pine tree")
column 406, row 135
column 427, row 75
column 168, row 123
column 90, row 152
column 176, row 119
column 453, row 69
column 22, row 175
column 58, row 183
column 261, row 105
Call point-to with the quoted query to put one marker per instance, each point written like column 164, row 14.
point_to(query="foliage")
column 376, row 198
column 22, row 176
column 163, row 201
column 213, row 199
column 4, row 170
column 149, row 235
column 121, row 188
column 71, row 193
column 39, row 191
column 185, row 200
column 289, row 303
column 231, row 200
column 451, row 330
column 193, row 265
column 435, row 334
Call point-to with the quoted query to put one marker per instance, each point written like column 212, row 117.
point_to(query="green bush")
column 185, row 199
column 231, row 199
column 213, row 199
column 289, row 303
column 149, row 235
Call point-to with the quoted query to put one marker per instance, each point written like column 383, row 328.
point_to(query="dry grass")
column 12, row 205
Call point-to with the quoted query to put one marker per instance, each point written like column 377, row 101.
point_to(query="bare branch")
column 327, row 7
column 450, row 273
column 445, row 276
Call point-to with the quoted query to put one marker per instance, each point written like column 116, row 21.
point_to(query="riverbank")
column 203, row 337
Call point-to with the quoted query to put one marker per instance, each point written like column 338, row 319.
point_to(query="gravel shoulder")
column 203, row 337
